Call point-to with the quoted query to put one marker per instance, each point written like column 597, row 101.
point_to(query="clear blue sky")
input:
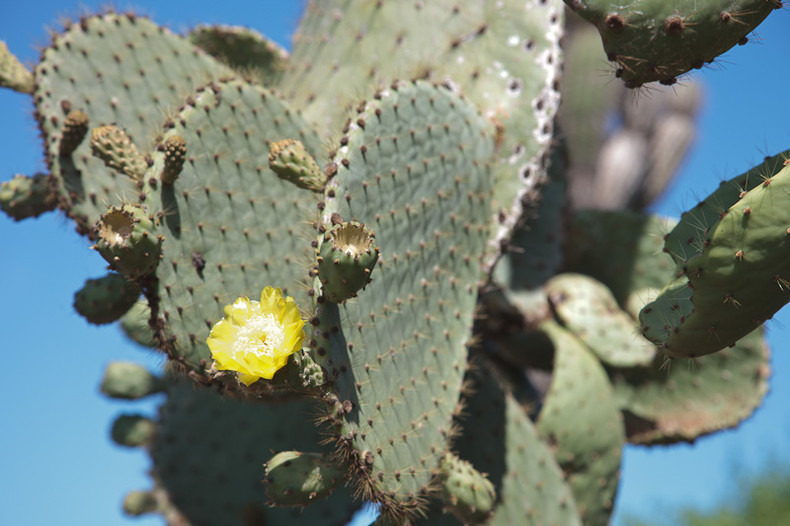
column 58, row 463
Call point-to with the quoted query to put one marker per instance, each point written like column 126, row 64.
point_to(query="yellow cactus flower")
column 256, row 338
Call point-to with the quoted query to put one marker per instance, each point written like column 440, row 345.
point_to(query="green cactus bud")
column 129, row 381
column 466, row 492
column 346, row 258
column 106, row 299
column 24, row 197
column 12, row 73
column 125, row 240
column 138, row 503
column 289, row 160
column 113, row 146
column 175, row 148
column 135, row 324
column 132, row 430
column 74, row 129
column 294, row 478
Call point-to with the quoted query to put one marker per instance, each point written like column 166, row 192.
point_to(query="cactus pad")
column 231, row 226
column 581, row 420
column 116, row 69
column 346, row 258
column 414, row 167
column 24, row 197
column 294, row 478
column 653, row 40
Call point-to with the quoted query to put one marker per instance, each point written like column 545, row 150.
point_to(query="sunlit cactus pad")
column 414, row 169
column 231, row 227
column 116, row 69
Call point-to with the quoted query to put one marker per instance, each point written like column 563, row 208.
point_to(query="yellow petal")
column 240, row 311
column 248, row 379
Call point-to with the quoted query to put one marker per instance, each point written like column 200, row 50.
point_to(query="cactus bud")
column 132, row 430
column 294, row 478
column 290, row 161
column 138, row 503
column 74, row 129
column 466, row 492
column 24, row 197
column 106, row 299
column 346, row 258
column 116, row 149
column 175, row 148
column 129, row 381
column 126, row 240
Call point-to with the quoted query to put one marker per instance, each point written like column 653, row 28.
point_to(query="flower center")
column 261, row 335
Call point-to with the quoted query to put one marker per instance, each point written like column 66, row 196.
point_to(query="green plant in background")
column 441, row 329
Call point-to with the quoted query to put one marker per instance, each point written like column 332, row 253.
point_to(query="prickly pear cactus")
column 400, row 179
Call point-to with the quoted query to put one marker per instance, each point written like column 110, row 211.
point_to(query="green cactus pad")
column 294, row 478
column 75, row 127
column 677, row 401
column 587, row 308
column 466, row 492
column 175, row 148
column 231, row 226
column 503, row 56
column 692, row 233
column 289, row 160
column 581, row 420
column 243, row 48
column 13, row 74
column 346, row 258
column 498, row 438
column 129, row 381
column 119, row 69
column 621, row 249
column 117, row 151
column 132, row 430
column 738, row 280
column 414, row 168
column 106, row 299
column 209, row 452
column 653, row 40
column 24, row 196
column 127, row 240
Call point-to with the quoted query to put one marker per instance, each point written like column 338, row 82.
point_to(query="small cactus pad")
column 289, row 160
column 581, row 420
column 24, row 196
column 677, row 401
column 117, row 151
column 466, row 492
column 587, row 308
column 129, row 381
column 231, row 226
column 126, row 240
column 75, row 127
column 132, row 430
column 106, row 299
column 347, row 256
column 175, row 148
column 13, row 74
column 208, row 456
column 504, row 55
column 737, row 281
column 119, row 69
column 294, row 478
column 414, row 167
column 243, row 48
column 653, row 40
column 620, row 249
column 498, row 438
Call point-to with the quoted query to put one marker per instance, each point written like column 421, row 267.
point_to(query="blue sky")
column 58, row 462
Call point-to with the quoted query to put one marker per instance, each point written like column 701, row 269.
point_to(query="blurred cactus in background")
column 464, row 309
